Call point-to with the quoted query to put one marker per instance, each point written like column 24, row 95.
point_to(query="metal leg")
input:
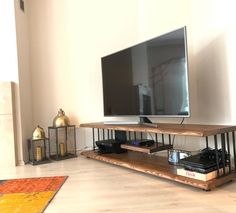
column 217, row 156
column 156, row 138
column 207, row 142
column 163, row 139
column 112, row 134
column 169, row 139
column 98, row 135
column 223, row 151
column 103, row 134
column 108, row 133
column 228, row 148
column 93, row 139
column 234, row 151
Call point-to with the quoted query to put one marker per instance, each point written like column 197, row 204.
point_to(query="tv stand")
column 136, row 158
column 146, row 121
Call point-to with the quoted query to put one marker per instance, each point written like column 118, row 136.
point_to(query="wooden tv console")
column 137, row 158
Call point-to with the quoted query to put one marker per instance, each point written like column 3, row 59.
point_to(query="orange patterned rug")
column 28, row 195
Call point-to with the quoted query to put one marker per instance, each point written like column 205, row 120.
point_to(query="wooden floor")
column 95, row 186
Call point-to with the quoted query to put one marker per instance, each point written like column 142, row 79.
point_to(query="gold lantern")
column 62, row 138
column 38, row 147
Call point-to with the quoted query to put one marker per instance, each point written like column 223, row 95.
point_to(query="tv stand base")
column 147, row 122
column 157, row 165
column 120, row 122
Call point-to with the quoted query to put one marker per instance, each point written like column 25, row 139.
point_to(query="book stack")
column 203, row 166
column 197, row 175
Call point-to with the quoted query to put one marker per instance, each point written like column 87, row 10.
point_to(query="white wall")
column 9, row 72
column 67, row 41
column 68, row 38
column 25, row 89
column 214, row 65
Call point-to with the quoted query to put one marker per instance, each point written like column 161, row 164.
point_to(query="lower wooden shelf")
column 157, row 166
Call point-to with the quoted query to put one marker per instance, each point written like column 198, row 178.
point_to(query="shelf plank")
column 167, row 128
column 144, row 149
column 157, row 166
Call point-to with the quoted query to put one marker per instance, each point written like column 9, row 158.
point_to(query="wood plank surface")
column 167, row 128
column 155, row 165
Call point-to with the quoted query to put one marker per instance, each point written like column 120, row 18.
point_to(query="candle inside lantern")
column 38, row 153
column 62, row 149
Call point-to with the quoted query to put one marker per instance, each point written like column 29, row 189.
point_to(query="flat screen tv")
column 148, row 79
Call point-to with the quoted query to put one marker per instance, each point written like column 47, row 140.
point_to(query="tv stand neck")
column 146, row 121
column 120, row 122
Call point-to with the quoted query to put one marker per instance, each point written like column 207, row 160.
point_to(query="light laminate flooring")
column 95, row 186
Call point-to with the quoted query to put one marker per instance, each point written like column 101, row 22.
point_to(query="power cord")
column 150, row 135
column 85, row 148
column 173, row 139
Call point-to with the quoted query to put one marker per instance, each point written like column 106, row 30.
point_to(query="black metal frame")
column 67, row 155
column 31, row 149
column 224, row 140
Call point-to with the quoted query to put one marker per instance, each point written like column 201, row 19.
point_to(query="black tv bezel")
column 187, row 77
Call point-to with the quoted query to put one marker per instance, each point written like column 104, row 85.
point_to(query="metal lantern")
column 62, row 138
column 38, row 147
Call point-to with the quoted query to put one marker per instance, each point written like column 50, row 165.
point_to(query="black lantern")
column 62, row 142
column 38, row 147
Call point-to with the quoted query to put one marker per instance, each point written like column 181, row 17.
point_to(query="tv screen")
column 148, row 79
